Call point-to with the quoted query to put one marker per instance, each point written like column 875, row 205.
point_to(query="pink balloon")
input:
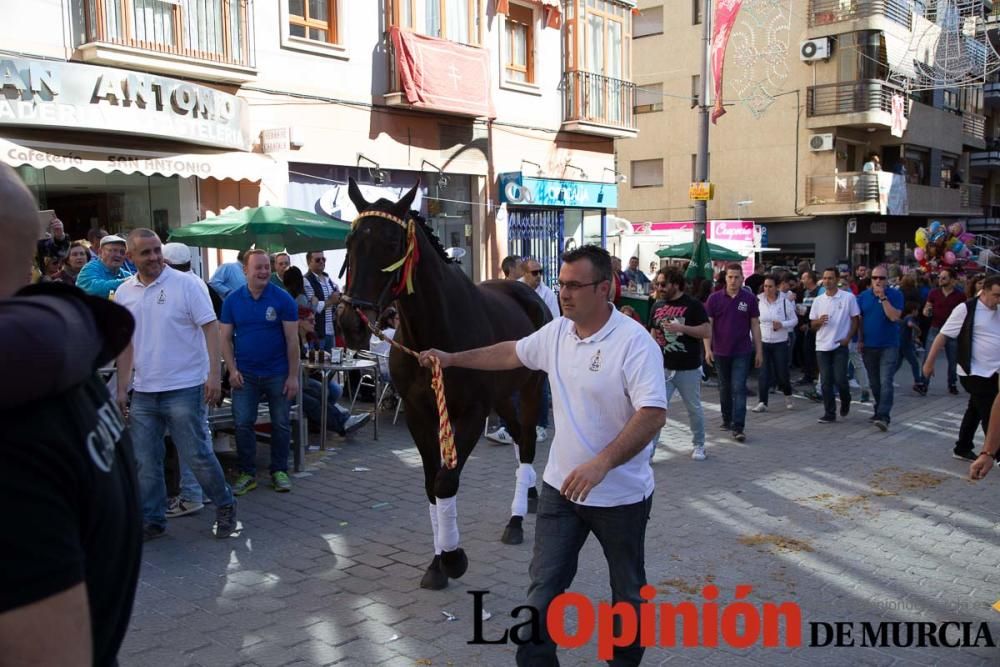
column 918, row 254
column 967, row 237
column 949, row 258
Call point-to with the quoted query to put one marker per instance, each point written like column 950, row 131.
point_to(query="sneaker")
column 726, row 427
column 355, row 422
column 920, row 389
column 500, row 437
column 541, row 434
column 826, row 420
column 845, row 408
column 177, row 506
column 698, row 454
column 953, row 390
column 739, row 436
column 244, row 484
column 789, row 404
column 813, row 396
column 872, row 418
column 225, row 520
column 151, row 532
column 804, row 382
column 880, row 424
column 967, row 455
column 760, row 407
column 280, row 482
column 866, row 397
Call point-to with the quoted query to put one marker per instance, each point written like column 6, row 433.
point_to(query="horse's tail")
column 525, row 297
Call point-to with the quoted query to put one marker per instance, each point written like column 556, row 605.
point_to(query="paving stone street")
column 850, row 523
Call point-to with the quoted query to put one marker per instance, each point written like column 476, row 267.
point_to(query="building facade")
column 798, row 168
column 126, row 113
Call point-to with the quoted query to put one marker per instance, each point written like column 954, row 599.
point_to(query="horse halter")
column 405, row 266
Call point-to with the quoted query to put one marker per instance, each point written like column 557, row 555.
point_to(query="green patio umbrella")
column 270, row 228
column 701, row 261
column 686, row 251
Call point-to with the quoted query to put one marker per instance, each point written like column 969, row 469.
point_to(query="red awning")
column 553, row 15
column 442, row 75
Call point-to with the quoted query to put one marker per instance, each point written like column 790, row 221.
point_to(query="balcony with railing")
column 597, row 104
column 865, row 14
column 933, row 200
column 973, row 130
column 209, row 39
column 865, row 103
column 846, row 192
column 988, row 159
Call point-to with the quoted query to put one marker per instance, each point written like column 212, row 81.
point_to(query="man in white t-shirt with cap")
column 609, row 403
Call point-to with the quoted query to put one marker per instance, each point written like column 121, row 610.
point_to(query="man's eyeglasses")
column 573, row 286
column 879, row 277
column 536, row 272
column 660, row 285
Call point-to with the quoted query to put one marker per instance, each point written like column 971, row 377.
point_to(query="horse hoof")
column 434, row 578
column 532, row 500
column 512, row 535
column 454, row 563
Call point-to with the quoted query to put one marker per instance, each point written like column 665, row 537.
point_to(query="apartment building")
column 126, row 113
column 797, row 169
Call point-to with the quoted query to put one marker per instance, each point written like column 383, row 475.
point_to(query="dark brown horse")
column 444, row 310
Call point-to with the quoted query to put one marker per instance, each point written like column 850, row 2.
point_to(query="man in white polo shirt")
column 610, row 403
column 835, row 318
column 176, row 336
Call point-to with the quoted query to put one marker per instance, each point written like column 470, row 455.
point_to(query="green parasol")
column 270, row 228
column 701, row 262
column 686, row 251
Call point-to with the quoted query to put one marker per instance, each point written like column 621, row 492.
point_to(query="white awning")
column 899, row 55
column 234, row 165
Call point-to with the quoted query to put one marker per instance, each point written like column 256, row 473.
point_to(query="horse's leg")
column 466, row 428
column 524, row 451
column 531, row 410
column 424, row 433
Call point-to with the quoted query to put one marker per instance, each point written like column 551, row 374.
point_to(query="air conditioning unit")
column 821, row 142
column 815, row 49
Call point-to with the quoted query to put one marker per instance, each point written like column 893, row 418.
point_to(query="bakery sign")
column 74, row 96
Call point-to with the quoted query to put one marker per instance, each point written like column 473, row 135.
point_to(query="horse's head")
column 379, row 255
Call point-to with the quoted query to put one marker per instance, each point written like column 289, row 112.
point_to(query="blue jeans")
column 245, row 402
column 774, row 371
column 688, row 385
column 881, row 363
column 950, row 351
column 190, row 488
column 908, row 353
column 733, row 372
column 561, row 530
column 312, row 395
column 543, row 411
column 833, row 372
column 184, row 412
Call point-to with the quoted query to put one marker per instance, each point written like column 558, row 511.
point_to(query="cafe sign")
column 42, row 93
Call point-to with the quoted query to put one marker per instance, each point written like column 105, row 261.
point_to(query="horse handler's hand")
column 583, row 478
column 443, row 357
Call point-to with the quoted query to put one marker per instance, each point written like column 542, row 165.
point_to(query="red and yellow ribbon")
column 408, row 262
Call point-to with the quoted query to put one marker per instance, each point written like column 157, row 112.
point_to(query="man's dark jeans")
column 982, row 392
column 881, row 364
column 561, row 529
column 733, row 373
column 833, row 373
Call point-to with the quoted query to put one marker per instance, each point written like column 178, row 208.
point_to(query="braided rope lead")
column 446, row 437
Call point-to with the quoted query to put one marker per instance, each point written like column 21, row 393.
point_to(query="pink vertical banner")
column 724, row 18
column 736, row 235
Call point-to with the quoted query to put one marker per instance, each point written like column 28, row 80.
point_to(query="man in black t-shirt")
column 679, row 323
column 70, row 529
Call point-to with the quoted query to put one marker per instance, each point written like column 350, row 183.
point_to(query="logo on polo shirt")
column 595, row 362
column 270, row 315
column 742, row 307
column 162, row 298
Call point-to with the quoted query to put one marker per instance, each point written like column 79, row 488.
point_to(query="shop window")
column 647, row 173
column 313, row 19
column 917, row 163
column 949, row 171
column 648, row 98
column 454, row 20
column 697, row 13
column 520, row 44
column 649, row 22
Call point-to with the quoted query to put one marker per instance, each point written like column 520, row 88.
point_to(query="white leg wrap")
column 524, row 479
column 447, row 523
column 434, row 527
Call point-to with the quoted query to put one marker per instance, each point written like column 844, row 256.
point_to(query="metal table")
column 326, row 370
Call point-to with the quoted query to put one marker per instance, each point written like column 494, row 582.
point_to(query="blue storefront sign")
column 516, row 189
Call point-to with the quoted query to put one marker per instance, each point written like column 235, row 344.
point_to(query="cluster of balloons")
column 939, row 245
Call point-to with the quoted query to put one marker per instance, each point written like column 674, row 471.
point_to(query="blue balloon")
column 934, row 226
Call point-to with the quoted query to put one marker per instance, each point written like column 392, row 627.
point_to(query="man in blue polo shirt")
column 881, row 309
column 266, row 364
